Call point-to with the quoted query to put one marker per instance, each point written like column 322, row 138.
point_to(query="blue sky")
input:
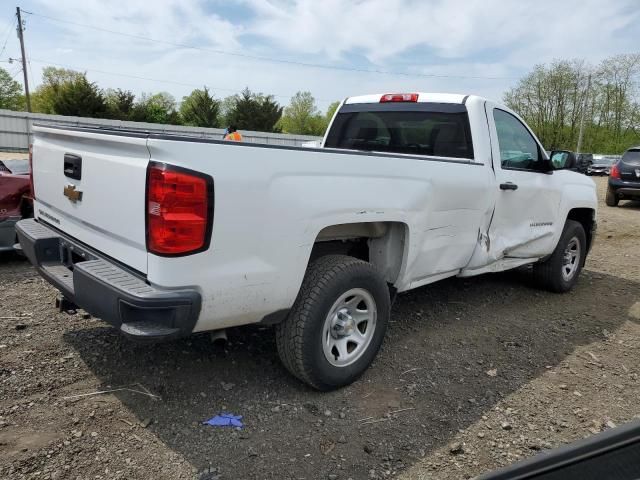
column 470, row 46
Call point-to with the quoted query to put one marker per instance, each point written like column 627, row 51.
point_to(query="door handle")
column 508, row 186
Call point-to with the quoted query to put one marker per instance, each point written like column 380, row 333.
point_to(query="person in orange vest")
column 233, row 134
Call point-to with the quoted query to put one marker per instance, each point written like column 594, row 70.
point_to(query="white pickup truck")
column 164, row 235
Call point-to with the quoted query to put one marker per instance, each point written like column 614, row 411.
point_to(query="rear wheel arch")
column 383, row 244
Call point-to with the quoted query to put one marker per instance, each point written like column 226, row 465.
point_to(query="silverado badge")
column 72, row 194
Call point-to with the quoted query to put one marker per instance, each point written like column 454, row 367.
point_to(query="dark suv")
column 624, row 178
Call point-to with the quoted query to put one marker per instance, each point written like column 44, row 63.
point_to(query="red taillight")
column 615, row 172
column 399, row 97
column 33, row 190
column 179, row 210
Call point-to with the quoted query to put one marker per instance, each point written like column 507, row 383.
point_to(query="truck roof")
column 423, row 97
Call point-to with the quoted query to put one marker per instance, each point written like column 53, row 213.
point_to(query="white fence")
column 16, row 129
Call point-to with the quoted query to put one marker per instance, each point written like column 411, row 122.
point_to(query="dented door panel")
column 526, row 213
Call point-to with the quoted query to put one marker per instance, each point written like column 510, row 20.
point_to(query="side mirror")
column 562, row 160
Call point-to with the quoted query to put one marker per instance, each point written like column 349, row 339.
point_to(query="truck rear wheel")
column 337, row 323
column 611, row 198
column 559, row 273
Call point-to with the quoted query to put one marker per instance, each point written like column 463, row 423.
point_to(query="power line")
column 267, row 59
column 234, row 90
column 123, row 74
column 15, row 74
column 11, row 23
column 30, row 69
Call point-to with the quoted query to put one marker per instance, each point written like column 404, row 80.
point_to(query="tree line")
column 69, row 92
column 553, row 99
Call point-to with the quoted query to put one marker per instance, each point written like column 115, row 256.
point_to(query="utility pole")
column 584, row 112
column 24, row 60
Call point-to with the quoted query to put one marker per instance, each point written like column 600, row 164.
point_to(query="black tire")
column 611, row 199
column 299, row 338
column 549, row 273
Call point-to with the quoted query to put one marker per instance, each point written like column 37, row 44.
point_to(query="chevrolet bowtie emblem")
column 72, row 194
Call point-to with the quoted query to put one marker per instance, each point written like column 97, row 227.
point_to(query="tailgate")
column 91, row 186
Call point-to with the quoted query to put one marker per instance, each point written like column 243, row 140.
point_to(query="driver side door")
column 528, row 198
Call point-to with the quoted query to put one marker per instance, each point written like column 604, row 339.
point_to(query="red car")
column 15, row 199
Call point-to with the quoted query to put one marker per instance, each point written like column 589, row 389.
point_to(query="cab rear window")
column 420, row 129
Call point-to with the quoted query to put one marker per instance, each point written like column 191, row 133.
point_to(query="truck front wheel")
column 559, row 273
column 337, row 323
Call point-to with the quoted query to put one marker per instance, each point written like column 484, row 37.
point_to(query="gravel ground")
column 474, row 374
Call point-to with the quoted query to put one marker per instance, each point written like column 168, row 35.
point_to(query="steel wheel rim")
column 571, row 259
column 349, row 327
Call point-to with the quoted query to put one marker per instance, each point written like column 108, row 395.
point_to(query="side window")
column 518, row 149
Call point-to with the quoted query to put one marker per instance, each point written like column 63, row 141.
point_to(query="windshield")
column 631, row 157
column 400, row 129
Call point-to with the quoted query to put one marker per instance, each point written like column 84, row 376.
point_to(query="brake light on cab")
column 399, row 97
column 615, row 171
column 179, row 210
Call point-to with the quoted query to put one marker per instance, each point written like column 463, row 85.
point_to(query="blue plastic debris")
column 225, row 420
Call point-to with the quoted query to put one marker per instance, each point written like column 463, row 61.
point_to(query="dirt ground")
column 474, row 374
column 12, row 155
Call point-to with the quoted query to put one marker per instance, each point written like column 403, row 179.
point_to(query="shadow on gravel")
column 10, row 257
column 432, row 369
column 632, row 205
